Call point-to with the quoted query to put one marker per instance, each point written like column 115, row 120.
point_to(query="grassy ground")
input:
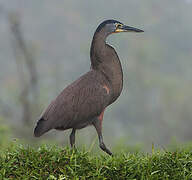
column 19, row 162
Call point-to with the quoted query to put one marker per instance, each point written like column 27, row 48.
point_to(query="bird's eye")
column 118, row 26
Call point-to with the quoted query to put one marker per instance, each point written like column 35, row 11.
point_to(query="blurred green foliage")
column 5, row 134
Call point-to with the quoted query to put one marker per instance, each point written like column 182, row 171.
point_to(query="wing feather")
column 78, row 103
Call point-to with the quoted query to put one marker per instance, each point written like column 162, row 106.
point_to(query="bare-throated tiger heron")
column 83, row 102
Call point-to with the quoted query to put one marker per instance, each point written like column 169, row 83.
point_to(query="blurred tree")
column 22, row 52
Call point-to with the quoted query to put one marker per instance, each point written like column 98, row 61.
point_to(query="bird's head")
column 113, row 26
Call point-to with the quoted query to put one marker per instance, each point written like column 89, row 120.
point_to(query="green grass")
column 21, row 162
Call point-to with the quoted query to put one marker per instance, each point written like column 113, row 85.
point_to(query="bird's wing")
column 82, row 100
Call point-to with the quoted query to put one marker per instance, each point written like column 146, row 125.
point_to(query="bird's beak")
column 125, row 28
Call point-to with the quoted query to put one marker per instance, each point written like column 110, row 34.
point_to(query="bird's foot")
column 104, row 148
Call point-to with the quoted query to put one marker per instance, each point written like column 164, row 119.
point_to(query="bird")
column 83, row 102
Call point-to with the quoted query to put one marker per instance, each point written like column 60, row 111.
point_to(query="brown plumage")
column 83, row 102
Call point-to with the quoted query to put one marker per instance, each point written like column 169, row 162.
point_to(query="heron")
column 83, row 102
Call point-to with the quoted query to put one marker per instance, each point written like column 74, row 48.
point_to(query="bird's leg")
column 72, row 138
column 98, row 127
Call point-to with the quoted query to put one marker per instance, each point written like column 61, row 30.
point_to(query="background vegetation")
column 45, row 46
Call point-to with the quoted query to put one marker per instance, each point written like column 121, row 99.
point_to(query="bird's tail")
column 41, row 128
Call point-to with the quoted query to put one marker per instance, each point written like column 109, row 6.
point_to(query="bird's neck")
column 97, row 51
column 105, row 59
